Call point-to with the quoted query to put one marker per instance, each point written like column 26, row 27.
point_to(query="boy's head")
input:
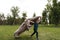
column 37, row 19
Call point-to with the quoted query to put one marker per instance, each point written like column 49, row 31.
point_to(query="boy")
column 36, row 28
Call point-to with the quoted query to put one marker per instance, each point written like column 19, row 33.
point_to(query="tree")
column 24, row 16
column 44, row 16
column 0, row 19
column 3, row 19
column 48, row 8
column 34, row 15
column 54, row 11
column 54, row 3
column 15, row 11
column 9, row 20
column 46, row 13
column 58, row 4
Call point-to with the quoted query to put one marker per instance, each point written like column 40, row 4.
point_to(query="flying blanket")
column 25, row 26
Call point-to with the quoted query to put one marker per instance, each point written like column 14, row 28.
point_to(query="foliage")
column 15, row 11
column 44, row 17
column 10, row 20
column 53, row 12
column 2, row 19
column 23, row 16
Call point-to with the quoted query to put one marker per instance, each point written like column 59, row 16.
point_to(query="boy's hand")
column 31, row 22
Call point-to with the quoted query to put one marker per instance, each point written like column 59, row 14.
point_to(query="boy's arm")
column 31, row 22
column 28, row 24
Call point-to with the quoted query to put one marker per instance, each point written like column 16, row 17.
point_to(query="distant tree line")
column 50, row 15
column 13, row 19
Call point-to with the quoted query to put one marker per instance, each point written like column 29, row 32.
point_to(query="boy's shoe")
column 37, row 38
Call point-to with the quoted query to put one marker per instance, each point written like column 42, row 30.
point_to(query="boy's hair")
column 36, row 19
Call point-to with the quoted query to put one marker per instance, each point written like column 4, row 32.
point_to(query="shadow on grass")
column 24, row 38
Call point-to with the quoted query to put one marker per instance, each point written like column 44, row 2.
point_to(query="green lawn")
column 45, row 33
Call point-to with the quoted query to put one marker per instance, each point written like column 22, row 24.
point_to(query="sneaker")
column 37, row 38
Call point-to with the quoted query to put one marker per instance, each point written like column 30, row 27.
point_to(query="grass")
column 45, row 33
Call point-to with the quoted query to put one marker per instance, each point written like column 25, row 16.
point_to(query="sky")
column 28, row 6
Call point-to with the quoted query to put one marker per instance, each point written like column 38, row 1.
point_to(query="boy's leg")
column 36, row 35
column 33, row 33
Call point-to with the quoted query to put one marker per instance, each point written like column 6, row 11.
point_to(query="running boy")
column 36, row 27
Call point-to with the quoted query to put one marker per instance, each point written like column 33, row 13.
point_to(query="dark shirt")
column 35, row 26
